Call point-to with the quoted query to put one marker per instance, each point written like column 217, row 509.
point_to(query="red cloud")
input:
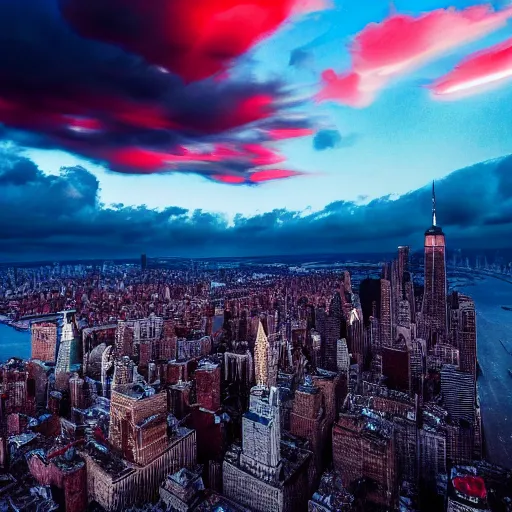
column 263, row 155
column 257, row 176
column 289, row 133
column 401, row 43
column 272, row 174
column 234, row 159
column 476, row 73
column 193, row 38
column 226, row 178
column 103, row 103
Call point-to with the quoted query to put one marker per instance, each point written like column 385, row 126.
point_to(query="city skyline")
column 284, row 389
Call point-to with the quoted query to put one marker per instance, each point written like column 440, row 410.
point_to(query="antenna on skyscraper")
column 434, row 222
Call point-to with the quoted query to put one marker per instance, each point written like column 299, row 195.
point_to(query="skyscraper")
column 403, row 263
column 434, row 298
column 266, row 357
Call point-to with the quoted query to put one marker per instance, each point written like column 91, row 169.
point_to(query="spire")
column 434, row 221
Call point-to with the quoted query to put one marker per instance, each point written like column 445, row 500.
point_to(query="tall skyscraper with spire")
column 266, row 358
column 434, row 298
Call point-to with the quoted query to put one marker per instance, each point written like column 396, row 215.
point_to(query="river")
column 494, row 384
column 13, row 343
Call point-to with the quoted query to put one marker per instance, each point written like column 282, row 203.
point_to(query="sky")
column 221, row 127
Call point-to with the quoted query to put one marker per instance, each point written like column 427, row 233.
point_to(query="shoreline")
column 21, row 326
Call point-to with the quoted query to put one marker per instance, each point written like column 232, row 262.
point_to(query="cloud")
column 476, row 73
column 332, row 138
column 388, row 50
column 195, row 39
column 48, row 216
column 106, row 100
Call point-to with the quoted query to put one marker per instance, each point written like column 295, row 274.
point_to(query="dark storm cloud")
column 331, row 139
column 47, row 216
column 59, row 90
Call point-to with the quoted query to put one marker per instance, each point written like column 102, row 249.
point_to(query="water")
column 13, row 343
column 495, row 383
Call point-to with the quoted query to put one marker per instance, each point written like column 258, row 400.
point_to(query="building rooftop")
column 434, row 230
column 257, row 418
column 136, row 391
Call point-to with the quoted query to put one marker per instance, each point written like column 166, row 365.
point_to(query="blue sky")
column 369, row 189
column 401, row 141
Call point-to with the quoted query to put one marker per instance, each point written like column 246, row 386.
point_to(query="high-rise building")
column 260, row 475
column 143, row 262
column 342, row 357
column 434, row 306
column 463, row 331
column 386, row 313
column 459, row 393
column 332, row 332
column 138, row 423
column 364, row 448
column 355, row 335
column 403, row 263
column 266, row 356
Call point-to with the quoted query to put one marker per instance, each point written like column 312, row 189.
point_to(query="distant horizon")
column 136, row 259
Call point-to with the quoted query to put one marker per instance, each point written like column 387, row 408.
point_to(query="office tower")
column 347, row 282
column 68, row 353
column 459, row 393
column 404, row 324
column 355, row 335
column 332, row 335
column 239, row 368
column 17, row 390
column 143, row 262
column 403, row 263
column 313, row 412
column 343, row 357
column 138, row 426
column 416, row 349
column 434, row 297
column 432, row 450
column 386, row 313
column 463, row 331
column 139, row 433
column 95, row 341
column 44, row 340
column 261, row 430
column 332, row 332
column 193, row 349
column 207, row 377
column 316, row 348
column 395, row 367
column 76, row 392
column 364, row 448
column 265, row 474
column 266, row 357
column 123, row 372
column 207, row 418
